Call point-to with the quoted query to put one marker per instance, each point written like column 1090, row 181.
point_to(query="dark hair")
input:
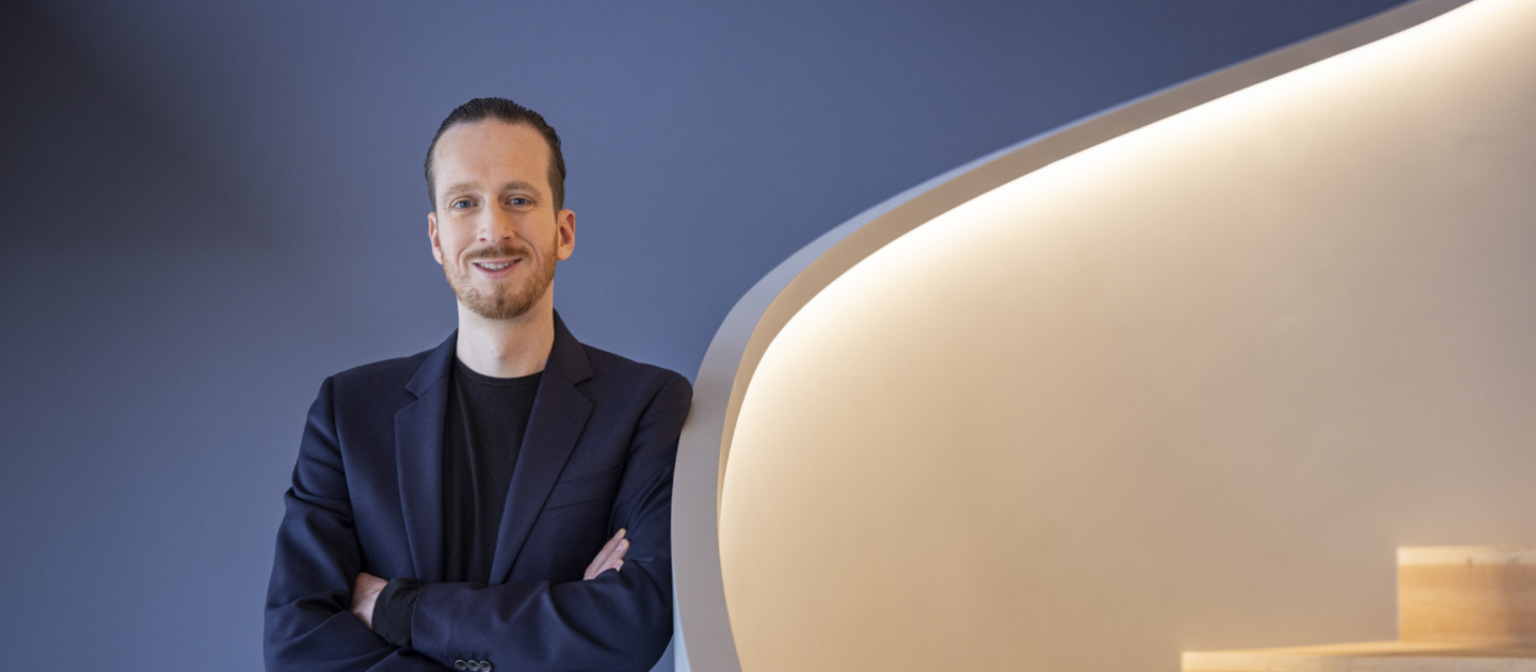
column 481, row 109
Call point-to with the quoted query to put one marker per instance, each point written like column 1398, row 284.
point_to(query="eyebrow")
column 515, row 185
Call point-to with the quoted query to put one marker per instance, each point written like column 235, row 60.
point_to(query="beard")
column 507, row 299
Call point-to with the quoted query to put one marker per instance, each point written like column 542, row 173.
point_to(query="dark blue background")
column 209, row 207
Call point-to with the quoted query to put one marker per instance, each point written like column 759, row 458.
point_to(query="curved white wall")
column 1186, row 389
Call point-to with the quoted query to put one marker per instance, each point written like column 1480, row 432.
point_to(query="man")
column 501, row 501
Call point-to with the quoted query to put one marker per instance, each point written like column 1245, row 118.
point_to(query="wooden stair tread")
column 1368, row 657
column 1473, row 594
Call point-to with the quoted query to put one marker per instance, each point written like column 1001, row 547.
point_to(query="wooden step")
column 1467, row 594
column 1367, row 657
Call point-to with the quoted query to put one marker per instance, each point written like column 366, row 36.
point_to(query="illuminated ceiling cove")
column 1177, row 377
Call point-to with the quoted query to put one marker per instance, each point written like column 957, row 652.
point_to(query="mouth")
column 495, row 267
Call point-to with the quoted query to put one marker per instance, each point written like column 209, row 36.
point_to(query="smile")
column 494, row 265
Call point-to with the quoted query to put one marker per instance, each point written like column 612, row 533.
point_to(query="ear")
column 437, row 248
column 565, row 241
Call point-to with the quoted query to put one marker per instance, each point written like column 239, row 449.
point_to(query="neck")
column 507, row 348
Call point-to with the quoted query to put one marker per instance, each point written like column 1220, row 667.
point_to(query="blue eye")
column 461, row 204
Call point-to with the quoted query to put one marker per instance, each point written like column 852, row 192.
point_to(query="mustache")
column 501, row 250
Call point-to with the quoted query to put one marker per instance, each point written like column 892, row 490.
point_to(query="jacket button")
column 460, row 665
column 485, row 666
column 474, row 665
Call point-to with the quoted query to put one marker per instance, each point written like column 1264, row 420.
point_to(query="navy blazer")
column 367, row 496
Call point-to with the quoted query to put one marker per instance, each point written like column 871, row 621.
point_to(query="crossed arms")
column 365, row 591
column 610, row 620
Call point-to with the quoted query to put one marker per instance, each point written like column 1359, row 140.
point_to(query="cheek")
column 449, row 245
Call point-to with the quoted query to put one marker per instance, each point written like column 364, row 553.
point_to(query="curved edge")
column 752, row 324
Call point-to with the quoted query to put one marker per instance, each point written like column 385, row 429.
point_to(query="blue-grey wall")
column 208, row 207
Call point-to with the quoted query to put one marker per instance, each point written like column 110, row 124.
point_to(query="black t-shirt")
column 482, row 436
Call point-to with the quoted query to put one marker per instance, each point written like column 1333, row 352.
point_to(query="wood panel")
column 1472, row 594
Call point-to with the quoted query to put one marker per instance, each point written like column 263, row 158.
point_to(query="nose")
column 496, row 225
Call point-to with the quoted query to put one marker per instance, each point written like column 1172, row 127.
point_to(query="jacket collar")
column 566, row 355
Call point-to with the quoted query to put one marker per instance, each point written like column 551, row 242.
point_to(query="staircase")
column 1459, row 609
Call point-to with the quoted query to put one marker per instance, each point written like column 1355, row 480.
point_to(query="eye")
column 461, row 204
column 520, row 200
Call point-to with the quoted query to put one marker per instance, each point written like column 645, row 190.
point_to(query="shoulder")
column 619, row 373
column 634, row 389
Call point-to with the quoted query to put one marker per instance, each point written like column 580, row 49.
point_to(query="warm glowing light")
column 1179, row 390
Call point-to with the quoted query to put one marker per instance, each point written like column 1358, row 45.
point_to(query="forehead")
column 491, row 152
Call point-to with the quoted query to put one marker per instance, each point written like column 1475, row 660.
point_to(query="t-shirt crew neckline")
column 470, row 375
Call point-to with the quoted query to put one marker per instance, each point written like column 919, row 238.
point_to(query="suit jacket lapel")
column 560, row 411
column 419, row 460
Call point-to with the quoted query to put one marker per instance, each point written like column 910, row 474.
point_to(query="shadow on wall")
column 158, row 360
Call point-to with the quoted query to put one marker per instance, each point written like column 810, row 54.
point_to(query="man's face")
column 495, row 229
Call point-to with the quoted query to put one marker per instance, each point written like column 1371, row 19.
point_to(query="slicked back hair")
column 505, row 110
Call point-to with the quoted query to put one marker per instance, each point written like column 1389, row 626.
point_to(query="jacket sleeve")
column 620, row 620
column 308, row 623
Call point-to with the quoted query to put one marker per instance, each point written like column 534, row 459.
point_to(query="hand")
column 365, row 592
column 611, row 557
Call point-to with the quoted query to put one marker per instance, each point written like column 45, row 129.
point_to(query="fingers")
column 598, row 563
column 616, row 560
column 611, row 557
column 365, row 592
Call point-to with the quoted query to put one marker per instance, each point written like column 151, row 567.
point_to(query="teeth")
column 493, row 267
